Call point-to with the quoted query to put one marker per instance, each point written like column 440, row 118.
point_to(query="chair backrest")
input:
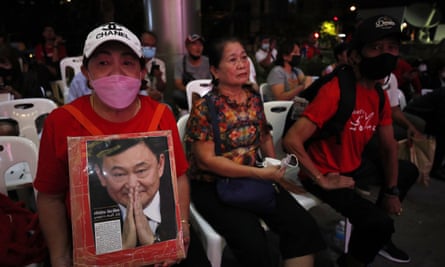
column 402, row 99
column 29, row 114
column 425, row 91
column 213, row 243
column 18, row 162
column 6, row 97
column 276, row 112
column 200, row 87
column 67, row 63
column 262, row 89
column 181, row 123
column 58, row 88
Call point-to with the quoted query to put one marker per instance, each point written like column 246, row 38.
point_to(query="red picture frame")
column 95, row 223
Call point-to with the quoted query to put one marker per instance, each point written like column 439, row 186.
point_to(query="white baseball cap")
column 111, row 31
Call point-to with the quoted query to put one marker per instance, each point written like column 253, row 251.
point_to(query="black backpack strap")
column 381, row 94
column 346, row 104
column 214, row 120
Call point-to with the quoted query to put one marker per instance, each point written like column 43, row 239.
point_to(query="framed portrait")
column 124, row 200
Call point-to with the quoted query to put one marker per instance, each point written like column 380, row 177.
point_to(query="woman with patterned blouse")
column 244, row 135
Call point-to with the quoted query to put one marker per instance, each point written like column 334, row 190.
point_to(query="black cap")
column 376, row 28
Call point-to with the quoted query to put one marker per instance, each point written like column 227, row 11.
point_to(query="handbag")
column 252, row 194
column 420, row 151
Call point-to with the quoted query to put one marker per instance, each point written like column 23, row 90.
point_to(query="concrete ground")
column 420, row 231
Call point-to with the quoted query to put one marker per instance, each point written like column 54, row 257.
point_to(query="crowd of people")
column 122, row 82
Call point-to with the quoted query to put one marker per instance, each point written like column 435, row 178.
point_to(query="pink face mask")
column 117, row 91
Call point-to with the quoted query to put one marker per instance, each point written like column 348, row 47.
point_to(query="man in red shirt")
column 331, row 167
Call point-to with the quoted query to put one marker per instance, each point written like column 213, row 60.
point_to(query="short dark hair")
column 99, row 149
column 150, row 33
column 216, row 49
column 284, row 48
column 340, row 48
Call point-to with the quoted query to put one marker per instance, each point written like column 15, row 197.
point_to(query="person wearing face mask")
column 265, row 56
column 338, row 160
column 155, row 81
column 286, row 80
column 192, row 66
column 114, row 66
column 266, row 53
column 156, row 73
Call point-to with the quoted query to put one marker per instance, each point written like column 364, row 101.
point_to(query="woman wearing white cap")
column 113, row 65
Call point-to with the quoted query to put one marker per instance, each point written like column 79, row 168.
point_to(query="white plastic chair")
column 276, row 112
column 200, row 87
column 26, row 111
column 66, row 63
column 18, row 167
column 263, row 88
column 402, row 99
column 57, row 89
column 6, row 97
column 18, row 164
column 212, row 241
column 182, row 123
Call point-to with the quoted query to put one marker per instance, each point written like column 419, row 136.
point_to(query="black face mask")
column 195, row 57
column 376, row 68
column 295, row 61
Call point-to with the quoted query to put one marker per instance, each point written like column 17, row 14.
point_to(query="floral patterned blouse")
column 241, row 127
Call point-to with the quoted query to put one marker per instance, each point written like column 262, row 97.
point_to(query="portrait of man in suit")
column 136, row 174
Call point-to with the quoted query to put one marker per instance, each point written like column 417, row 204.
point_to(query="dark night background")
column 23, row 20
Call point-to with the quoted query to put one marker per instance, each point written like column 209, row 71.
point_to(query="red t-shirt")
column 326, row 154
column 402, row 68
column 53, row 173
column 40, row 54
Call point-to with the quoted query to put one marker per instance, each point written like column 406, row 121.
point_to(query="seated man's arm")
column 294, row 141
column 388, row 154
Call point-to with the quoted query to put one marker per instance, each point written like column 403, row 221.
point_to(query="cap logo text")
column 110, row 30
column 384, row 23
